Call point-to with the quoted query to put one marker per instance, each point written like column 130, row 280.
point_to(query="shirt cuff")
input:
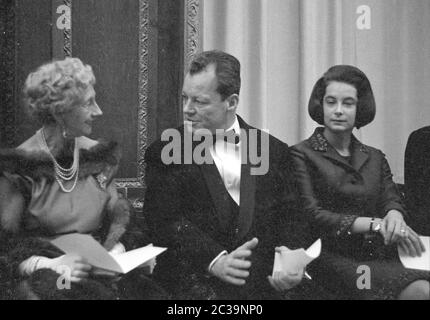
column 216, row 259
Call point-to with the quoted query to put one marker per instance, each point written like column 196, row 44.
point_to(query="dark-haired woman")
column 350, row 198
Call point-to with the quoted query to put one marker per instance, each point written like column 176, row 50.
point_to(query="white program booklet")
column 97, row 256
column 294, row 260
column 419, row 263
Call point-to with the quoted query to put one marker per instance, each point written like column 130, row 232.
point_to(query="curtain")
column 286, row 45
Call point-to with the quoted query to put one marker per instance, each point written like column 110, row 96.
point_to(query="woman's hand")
column 73, row 267
column 285, row 279
column 393, row 227
column 118, row 248
column 395, row 230
column 411, row 243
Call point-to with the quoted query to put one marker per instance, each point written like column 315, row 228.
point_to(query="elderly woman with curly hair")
column 350, row 199
column 60, row 181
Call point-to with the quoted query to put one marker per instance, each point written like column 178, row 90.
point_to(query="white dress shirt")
column 227, row 158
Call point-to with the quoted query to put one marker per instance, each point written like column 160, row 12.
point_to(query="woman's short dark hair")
column 227, row 70
column 366, row 107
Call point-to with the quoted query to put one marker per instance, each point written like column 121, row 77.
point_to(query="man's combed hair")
column 366, row 106
column 227, row 69
column 56, row 87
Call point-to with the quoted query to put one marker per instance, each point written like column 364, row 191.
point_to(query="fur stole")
column 99, row 157
column 38, row 164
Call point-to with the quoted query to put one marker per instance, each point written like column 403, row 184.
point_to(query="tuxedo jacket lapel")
column 218, row 193
column 248, row 184
column 220, row 197
column 247, row 200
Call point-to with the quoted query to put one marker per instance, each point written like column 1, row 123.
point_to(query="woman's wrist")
column 375, row 225
column 34, row 263
column 362, row 225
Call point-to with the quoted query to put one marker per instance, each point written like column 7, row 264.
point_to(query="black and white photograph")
column 214, row 155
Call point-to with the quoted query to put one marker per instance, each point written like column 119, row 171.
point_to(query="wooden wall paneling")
column 136, row 50
column 106, row 36
column 34, row 47
column 61, row 28
column 193, row 30
column 170, row 56
column 26, row 44
column 7, row 73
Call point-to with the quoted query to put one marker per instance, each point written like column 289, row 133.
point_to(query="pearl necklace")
column 66, row 174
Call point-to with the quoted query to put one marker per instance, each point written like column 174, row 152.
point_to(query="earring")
column 65, row 135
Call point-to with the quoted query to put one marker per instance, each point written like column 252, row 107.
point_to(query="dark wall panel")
column 105, row 35
column 25, row 44
column 167, row 41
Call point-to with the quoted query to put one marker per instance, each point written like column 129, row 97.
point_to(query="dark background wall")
column 105, row 34
column 25, row 42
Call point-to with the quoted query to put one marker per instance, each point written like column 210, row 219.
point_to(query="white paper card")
column 291, row 261
column 97, row 256
column 419, row 263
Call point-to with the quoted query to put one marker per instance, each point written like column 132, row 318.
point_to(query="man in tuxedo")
column 221, row 218
column 417, row 180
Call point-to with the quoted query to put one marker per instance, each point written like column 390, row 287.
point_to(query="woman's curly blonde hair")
column 56, row 87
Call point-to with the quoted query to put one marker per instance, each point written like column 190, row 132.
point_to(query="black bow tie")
column 228, row 136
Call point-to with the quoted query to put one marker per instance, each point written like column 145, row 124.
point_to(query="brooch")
column 101, row 179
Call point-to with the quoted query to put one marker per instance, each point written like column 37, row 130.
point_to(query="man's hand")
column 233, row 267
column 282, row 281
column 285, row 279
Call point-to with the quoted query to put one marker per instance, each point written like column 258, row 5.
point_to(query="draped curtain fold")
column 285, row 46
